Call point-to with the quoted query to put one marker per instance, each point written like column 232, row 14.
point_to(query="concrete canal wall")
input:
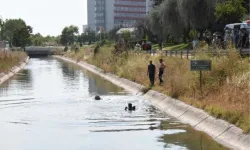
column 222, row 131
column 13, row 71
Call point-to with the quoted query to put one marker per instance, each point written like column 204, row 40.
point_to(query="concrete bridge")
column 38, row 51
column 42, row 51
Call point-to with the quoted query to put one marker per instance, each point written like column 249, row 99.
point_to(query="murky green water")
column 50, row 105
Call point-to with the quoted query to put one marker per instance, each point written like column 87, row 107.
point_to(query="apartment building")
column 109, row 14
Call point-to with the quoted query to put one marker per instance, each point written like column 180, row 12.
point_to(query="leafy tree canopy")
column 68, row 36
column 16, row 32
column 231, row 11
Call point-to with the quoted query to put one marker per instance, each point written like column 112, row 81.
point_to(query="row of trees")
column 16, row 31
column 176, row 18
column 39, row 40
column 172, row 20
column 19, row 34
column 70, row 35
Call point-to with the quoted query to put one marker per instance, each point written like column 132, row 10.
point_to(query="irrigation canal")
column 50, row 105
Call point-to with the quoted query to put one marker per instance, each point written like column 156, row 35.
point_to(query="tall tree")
column 90, row 35
column 197, row 14
column 246, row 4
column 16, row 32
column 1, row 28
column 155, row 23
column 171, row 18
column 157, row 2
column 21, row 37
column 68, row 36
column 37, row 39
column 230, row 11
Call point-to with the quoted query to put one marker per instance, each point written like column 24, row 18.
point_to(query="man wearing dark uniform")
column 151, row 72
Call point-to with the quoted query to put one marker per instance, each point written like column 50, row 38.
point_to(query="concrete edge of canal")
column 5, row 76
column 223, row 132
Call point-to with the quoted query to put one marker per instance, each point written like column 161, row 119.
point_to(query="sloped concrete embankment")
column 222, row 131
column 13, row 71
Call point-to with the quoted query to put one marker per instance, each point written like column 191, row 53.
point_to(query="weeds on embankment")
column 225, row 92
column 10, row 59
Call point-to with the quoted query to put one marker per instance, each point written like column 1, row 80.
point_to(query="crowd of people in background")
column 240, row 38
column 144, row 46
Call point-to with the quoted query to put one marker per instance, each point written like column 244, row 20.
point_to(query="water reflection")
column 95, row 84
column 187, row 137
column 50, row 105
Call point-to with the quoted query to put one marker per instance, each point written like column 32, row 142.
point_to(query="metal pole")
column 201, row 83
column 1, row 25
column 200, row 79
column 100, row 35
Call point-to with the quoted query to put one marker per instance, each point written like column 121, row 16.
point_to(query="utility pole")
column 100, row 35
column 1, row 26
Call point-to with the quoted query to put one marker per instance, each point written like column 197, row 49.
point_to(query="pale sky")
column 47, row 17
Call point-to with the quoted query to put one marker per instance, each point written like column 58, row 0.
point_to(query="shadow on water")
column 39, row 56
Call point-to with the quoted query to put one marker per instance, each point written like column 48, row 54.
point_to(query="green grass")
column 176, row 47
column 168, row 46
column 155, row 46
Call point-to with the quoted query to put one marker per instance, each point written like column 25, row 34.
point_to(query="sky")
column 47, row 17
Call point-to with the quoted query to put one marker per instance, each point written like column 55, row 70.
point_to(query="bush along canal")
column 51, row 104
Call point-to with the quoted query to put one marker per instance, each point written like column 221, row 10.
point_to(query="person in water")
column 151, row 72
column 161, row 70
column 130, row 107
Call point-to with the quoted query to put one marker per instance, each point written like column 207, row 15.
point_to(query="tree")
column 197, row 14
column 246, row 5
column 21, row 37
column 155, row 22
column 37, row 39
column 16, row 32
column 69, row 35
column 171, row 18
column 112, row 34
column 90, row 35
column 231, row 11
column 157, row 2
column 126, row 35
column 1, row 28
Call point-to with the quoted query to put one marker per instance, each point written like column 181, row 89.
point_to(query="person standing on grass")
column 161, row 71
column 151, row 72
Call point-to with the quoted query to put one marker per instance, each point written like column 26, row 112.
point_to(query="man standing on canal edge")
column 151, row 72
column 161, row 70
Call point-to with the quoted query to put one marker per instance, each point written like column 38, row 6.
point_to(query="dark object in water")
column 130, row 107
column 97, row 97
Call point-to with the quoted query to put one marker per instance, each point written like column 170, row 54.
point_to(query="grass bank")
column 10, row 59
column 172, row 47
column 225, row 89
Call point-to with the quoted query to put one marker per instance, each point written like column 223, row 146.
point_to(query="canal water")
column 50, row 105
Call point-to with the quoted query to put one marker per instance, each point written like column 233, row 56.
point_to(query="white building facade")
column 108, row 14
